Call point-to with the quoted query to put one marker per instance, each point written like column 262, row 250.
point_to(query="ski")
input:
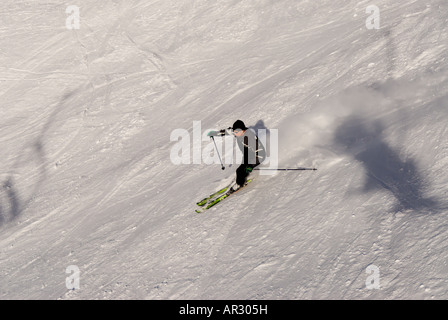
column 212, row 201
column 205, row 200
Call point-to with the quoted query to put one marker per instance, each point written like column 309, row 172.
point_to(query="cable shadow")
column 384, row 169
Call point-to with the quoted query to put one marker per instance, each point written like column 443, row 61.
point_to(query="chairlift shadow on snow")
column 384, row 168
column 13, row 200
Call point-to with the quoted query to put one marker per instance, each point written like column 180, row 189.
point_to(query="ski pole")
column 217, row 151
column 287, row 169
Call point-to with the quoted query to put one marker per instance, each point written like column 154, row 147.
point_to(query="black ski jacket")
column 250, row 145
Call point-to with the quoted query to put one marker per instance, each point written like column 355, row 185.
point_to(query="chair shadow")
column 384, row 168
column 12, row 198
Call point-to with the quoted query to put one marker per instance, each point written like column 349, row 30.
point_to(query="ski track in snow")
column 86, row 177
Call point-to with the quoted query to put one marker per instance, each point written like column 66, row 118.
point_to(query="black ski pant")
column 242, row 172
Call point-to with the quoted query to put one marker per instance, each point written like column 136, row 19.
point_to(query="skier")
column 250, row 145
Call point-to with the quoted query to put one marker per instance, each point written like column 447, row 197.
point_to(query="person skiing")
column 250, row 145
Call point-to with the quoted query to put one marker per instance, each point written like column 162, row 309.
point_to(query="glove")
column 249, row 170
column 217, row 133
column 212, row 133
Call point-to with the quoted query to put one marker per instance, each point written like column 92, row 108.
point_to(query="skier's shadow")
column 384, row 168
column 264, row 134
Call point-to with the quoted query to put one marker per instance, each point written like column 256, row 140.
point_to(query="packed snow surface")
column 87, row 177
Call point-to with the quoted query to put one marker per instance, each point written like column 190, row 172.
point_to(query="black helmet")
column 239, row 125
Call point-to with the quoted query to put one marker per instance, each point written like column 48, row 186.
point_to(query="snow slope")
column 86, row 175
